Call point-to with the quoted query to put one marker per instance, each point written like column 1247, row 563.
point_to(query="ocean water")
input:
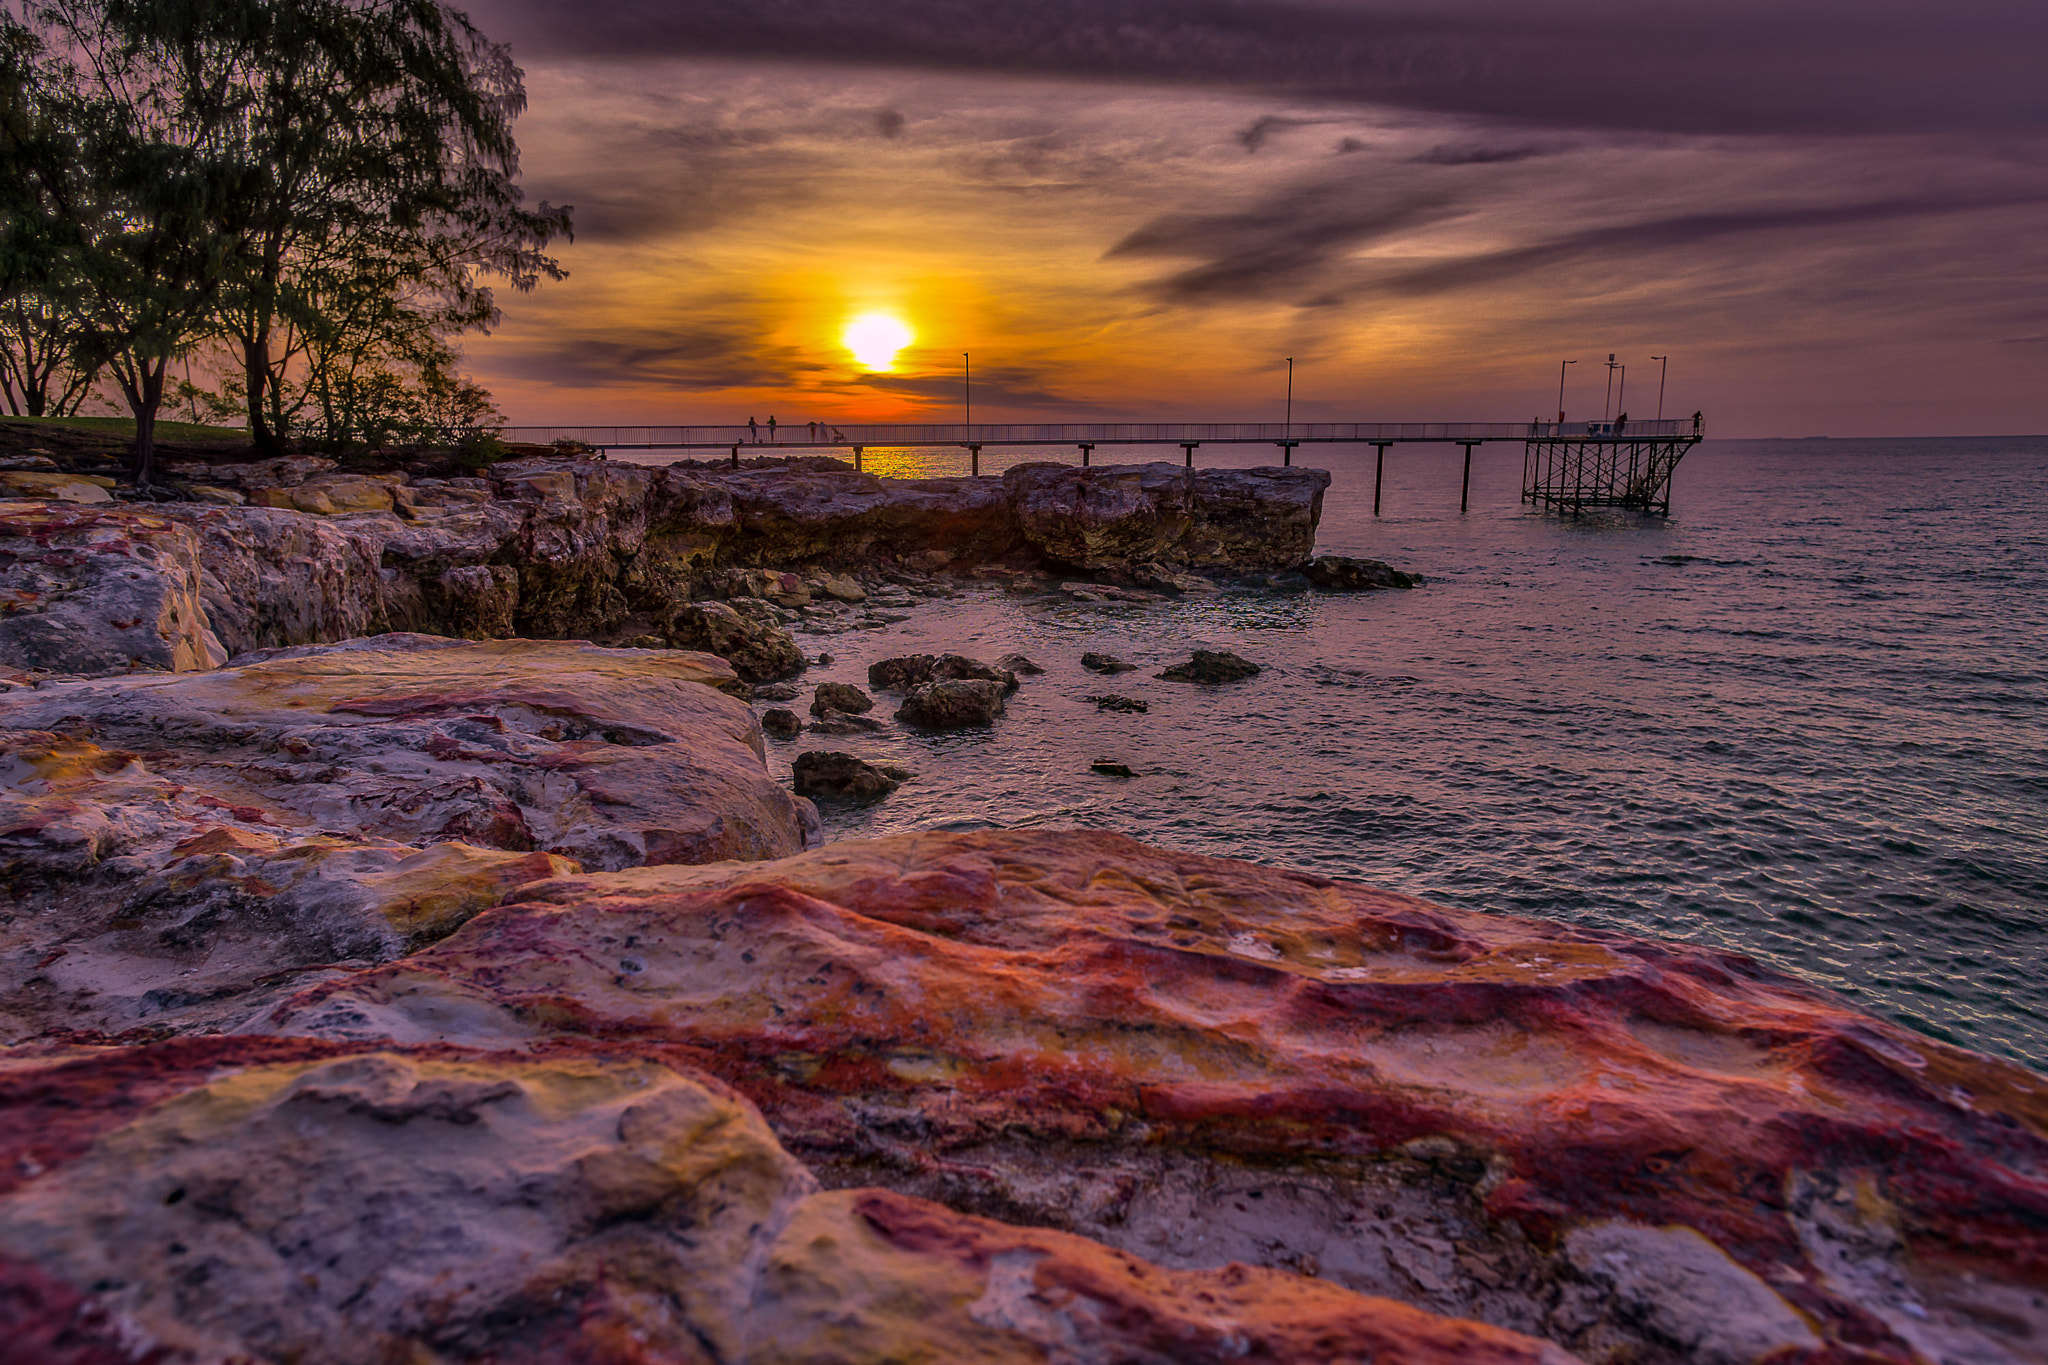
column 1805, row 718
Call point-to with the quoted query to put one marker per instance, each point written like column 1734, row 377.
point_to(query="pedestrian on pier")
column 771, row 428
column 753, row 432
column 1696, row 423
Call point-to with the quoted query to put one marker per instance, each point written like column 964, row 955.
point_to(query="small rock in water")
column 912, row 671
column 832, row 722
column 1106, row 663
column 844, row 589
column 1109, row 768
column 833, row 696
column 953, row 704
column 777, row 692
column 1110, row 701
column 1339, row 573
column 824, row 661
column 1020, row 665
column 782, row 723
column 1212, row 666
column 834, row 776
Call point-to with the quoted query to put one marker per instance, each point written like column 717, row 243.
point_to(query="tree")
column 133, row 166
column 382, row 135
column 275, row 174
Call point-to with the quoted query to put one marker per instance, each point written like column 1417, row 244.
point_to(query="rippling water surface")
column 1803, row 718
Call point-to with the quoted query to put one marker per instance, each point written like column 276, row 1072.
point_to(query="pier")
column 1566, row 466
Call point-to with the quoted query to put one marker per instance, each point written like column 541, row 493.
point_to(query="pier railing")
column 886, row 434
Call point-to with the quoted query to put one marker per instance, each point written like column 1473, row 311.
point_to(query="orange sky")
column 1156, row 248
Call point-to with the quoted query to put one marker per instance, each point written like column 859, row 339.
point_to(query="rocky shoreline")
column 377, row 985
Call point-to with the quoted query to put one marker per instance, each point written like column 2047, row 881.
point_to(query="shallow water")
column 1803, row 718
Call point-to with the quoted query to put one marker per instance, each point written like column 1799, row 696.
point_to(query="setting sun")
column 875, row 338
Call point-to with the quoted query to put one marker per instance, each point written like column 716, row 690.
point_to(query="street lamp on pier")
column 1665, row 369
column 1560, row 390
column 1290, row 396
column 967, row 388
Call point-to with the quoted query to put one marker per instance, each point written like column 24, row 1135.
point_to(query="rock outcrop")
column 1639, row 1151
column 556, row 548
column 175, row 844
column 909, row 672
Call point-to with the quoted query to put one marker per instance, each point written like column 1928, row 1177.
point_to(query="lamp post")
column 967, row 388
column 1607, row 404
column 1290, row 396
column 1621, row 394
column 1661, row 373
column 1560, row 390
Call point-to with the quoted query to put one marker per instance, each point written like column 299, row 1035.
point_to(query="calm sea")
column 1805, row 718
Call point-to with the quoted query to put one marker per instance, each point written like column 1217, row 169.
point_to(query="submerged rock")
column 834, row 776
column 1111, row 701
column 912, row 671
column 1018, row 665
column 1336, row 573
column 953, row 704
column 1109, row 767
column 1640, row 1150
column 830, row 722
column 178, row 845
column 1212, row 666
column 1106, row 663
column 833, row 696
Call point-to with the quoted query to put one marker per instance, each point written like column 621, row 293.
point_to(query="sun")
column 875, row 338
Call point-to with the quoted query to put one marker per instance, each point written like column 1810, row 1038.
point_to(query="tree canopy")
column 323, row 191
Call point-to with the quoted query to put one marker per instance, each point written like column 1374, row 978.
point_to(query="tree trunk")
column 256, row 380
column 143, row 386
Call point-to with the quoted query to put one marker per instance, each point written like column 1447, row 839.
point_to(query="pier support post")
column 1379, row 468
column 1465, row 489
column 1086, row 451
column 1287, row 451
column 974, row 460
column 856, row 458
column 735, row 457
column 1189, row 447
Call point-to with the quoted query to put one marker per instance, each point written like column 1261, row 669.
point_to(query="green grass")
column 125, row 426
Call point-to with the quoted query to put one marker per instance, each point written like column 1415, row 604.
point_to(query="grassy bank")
column 124, row 428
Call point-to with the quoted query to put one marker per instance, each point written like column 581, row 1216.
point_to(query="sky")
column 1830, row 217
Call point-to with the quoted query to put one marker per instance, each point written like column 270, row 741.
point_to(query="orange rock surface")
column 246, row 1199
column 1642, row 1150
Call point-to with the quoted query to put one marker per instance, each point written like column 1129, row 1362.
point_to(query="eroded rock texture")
column 239, row 1199
column 1124, row 516
column 1640, row 1151
column 173, row 845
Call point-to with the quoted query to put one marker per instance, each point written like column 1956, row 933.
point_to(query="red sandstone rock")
column 100, row 590
column 176, row 844
column 210, row 1199
column 1641, row 1150
column 1122, row 516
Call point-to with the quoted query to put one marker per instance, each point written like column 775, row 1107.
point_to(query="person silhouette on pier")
column 753, row 432
column 1620, row 422
column 1696, row 423
column 771, row 428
